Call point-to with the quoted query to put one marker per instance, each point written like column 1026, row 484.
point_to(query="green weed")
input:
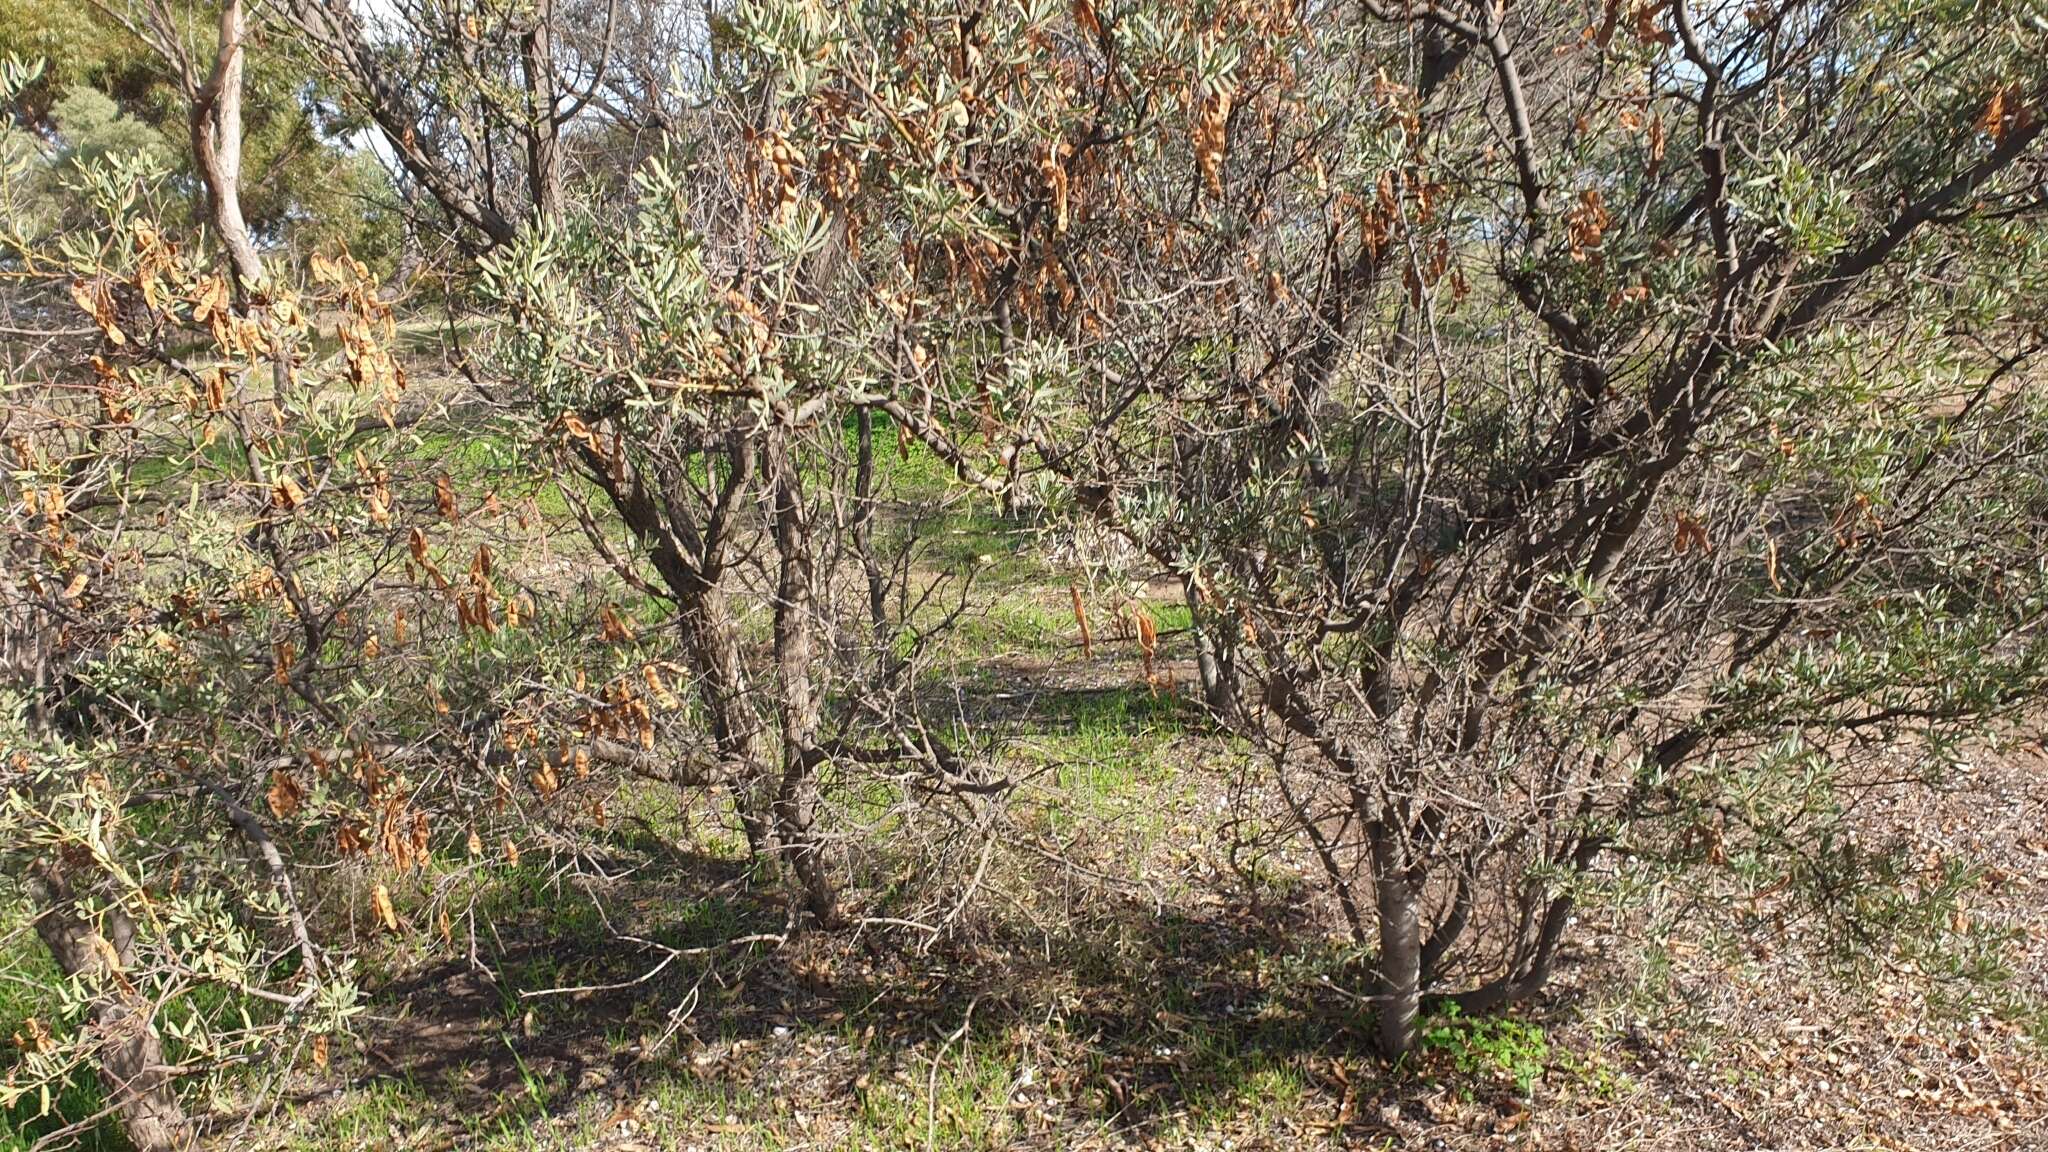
column 1489, row 1046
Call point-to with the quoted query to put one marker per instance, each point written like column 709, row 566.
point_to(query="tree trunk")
column 216, row 128
column 1212, row 656
column 863, row 526
column 795, row 649
column 543, row 129
column 712, row 637
column 1398, row 899
column 131, row 1059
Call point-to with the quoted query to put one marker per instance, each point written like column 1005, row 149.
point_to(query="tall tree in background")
column 477, row 102
column 123, row 77
column 211, row 84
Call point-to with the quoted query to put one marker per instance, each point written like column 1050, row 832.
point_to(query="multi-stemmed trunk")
column 771, row 766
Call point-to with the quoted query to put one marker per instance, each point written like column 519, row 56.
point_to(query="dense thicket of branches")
column 1585, row 435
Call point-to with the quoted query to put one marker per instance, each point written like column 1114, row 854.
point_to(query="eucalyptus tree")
column 491, row 111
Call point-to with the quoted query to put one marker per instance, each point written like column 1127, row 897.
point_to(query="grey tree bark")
column 1398, row 901
column 216, row 126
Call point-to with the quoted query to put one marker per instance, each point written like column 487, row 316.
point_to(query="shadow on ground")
column 1139, row 1021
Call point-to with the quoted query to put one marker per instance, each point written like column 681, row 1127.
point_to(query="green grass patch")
column 959, row 1099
